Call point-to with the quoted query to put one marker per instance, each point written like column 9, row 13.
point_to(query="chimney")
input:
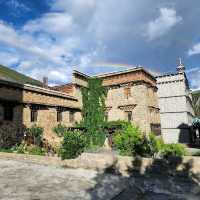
column 45, row 82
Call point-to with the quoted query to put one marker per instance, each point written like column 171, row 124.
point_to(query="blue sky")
column 53, row 37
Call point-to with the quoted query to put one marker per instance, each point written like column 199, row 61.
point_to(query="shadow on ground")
column 162, row 180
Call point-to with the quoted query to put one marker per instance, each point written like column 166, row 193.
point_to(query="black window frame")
column 59, row 116
column 129, row 115
column 34, row 115
column 71, row 117
column 8, row 112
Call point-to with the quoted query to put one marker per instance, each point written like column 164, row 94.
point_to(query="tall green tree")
column 94, row 111
column 196, row 103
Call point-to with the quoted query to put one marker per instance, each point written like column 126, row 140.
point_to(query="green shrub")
column 73, row 145
column 60, row 130
column 129, row 140
column 196, row 153
column 118, row 123
column 4, row 150
column 151, row 146
column 172, row 150
column 37, row 133
column 35, row 150
column 21, row 148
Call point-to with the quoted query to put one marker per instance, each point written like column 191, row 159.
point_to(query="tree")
column 196, row 103
column 94, row 111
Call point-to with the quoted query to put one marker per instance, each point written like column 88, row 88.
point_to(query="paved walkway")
column 20, row 180
column 25, row 180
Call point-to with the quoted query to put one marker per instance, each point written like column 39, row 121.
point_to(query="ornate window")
column 59, row 116
column 106, row 116
column 156, row 128
column 34, row 115
column 71, row 116
column 127, row 92
column 127, row 107
column 128, row 115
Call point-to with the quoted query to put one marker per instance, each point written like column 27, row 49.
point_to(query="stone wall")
column 11, row 93
column 142, row 102
column 47, row 119
column 47, row 103
column 121, row 164
column 46, row 99
column 175, row 107
column 68, row 88
column 11, row 132
column 118, row 104
column 137, row 75
column 80, row 79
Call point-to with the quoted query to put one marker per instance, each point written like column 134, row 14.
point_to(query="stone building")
column 132, row 96
column 175, row 105
column 23, row 105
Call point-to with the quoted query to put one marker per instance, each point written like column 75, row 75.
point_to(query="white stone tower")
column 175, row 105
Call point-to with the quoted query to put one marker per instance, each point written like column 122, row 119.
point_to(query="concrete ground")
column 20, row 180
column 23, row 180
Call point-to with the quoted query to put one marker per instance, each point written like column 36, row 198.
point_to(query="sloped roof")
column 8, row 74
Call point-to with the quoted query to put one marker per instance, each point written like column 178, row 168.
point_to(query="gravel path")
column 23, row 180
column 20, row 180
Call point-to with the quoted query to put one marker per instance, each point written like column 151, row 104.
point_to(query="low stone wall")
column 109, row 162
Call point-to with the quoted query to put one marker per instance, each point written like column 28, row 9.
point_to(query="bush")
column 21, row 148
column 60, row 130
column 151, row 146
column 4, row 150
column 172, row 150
column 196, row 153
column 129, row 140
column 73, row 145
column 118, row 123
column 37, row 133
column 35, row 150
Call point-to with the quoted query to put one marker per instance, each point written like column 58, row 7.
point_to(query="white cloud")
column 58, row 75
column 8, row 58
column 81, row 32
column 194, row 50
column 164, row 23
column 193, row 75
column 194, row 79
column 73, row 6
column 42, row 55
column 53, row 23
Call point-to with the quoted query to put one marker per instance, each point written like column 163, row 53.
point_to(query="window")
column 156, row 128
column 59, row 116
column 106, row 116
column 34, row 114
column 8, row 113
column 127, row 92
column 71, row 117
column 128, row 115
